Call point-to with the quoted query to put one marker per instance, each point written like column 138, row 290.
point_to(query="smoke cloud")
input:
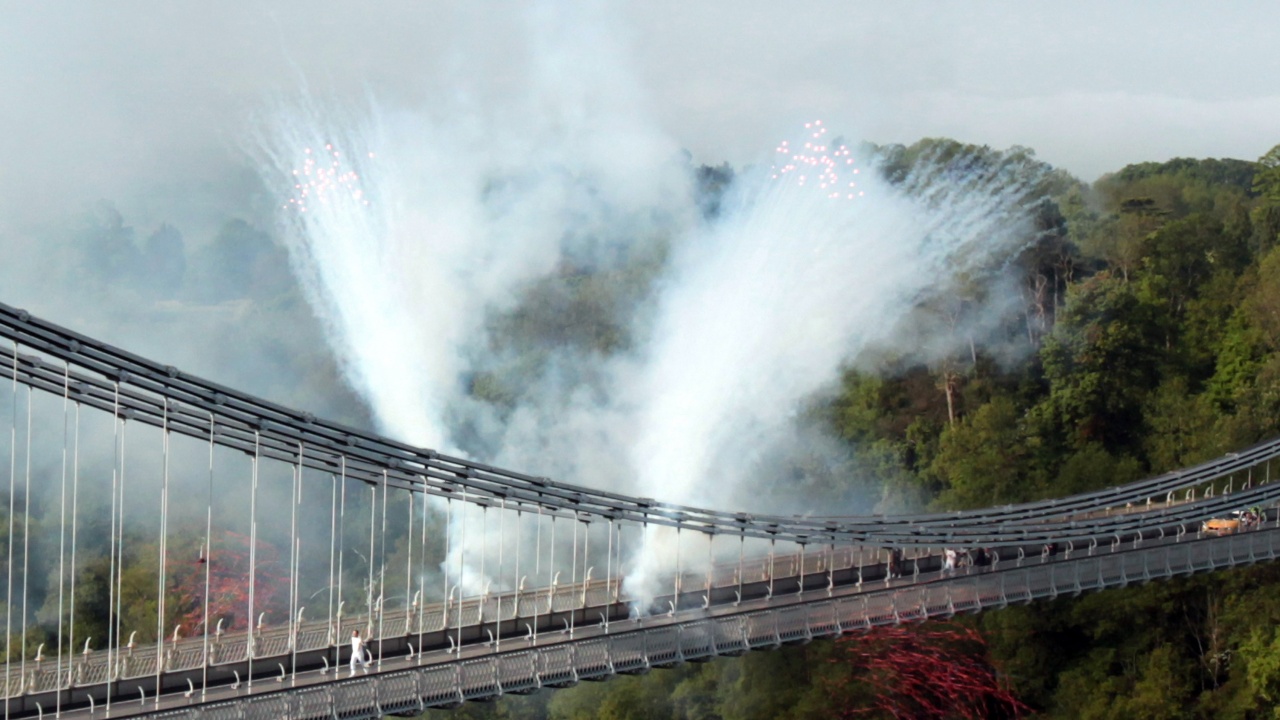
column 412, row 229
column 409, row 228
column 812, row 262
column 420, row 235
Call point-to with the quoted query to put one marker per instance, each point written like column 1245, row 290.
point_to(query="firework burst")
column 813, row 160
column 324, row 178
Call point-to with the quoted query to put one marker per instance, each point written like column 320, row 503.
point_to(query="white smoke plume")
column 761, row 309
column 408, row 228
column 411, row 229
column 813, row 261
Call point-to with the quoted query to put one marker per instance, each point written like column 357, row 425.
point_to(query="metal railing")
column 445, row 681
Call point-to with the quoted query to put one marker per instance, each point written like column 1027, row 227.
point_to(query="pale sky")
column 151, row 99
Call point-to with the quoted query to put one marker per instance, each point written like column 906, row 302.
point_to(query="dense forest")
column 1140, row 332
column 1147, row 337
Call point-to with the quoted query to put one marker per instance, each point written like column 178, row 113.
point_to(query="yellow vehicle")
column 1221, row 526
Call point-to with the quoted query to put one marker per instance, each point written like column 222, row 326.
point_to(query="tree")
column 1183, row 426
column 1101, row 360
column 710, row 185
column 622, row 698
column 164, row 261
column 1091, row 467
column 1183, row 255
column 242, row 261
column 1049, row 263
column 980, row 460
column 109, row 255
column 1117, row 240
column 228, row 569
column 1262, row 306
column 1266, row 181
column 1239, row 356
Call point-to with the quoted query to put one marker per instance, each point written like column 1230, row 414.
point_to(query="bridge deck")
column 404, row 683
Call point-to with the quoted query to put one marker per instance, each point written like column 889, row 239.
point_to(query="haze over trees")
column 1136, row 330
column 1146, row 337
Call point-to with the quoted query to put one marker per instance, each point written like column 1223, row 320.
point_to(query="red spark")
column 927, row 672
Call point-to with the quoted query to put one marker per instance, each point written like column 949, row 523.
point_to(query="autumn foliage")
column 228, row 571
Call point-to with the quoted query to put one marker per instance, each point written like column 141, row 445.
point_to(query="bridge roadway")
column 414, row 671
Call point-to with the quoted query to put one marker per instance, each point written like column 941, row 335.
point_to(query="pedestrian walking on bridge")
column 358, row 652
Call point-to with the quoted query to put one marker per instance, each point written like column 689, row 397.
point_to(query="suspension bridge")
column 175, row 548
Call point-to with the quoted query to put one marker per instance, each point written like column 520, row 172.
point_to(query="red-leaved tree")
column 228, row 570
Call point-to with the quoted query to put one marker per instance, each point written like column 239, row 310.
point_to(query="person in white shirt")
column 358, row 652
